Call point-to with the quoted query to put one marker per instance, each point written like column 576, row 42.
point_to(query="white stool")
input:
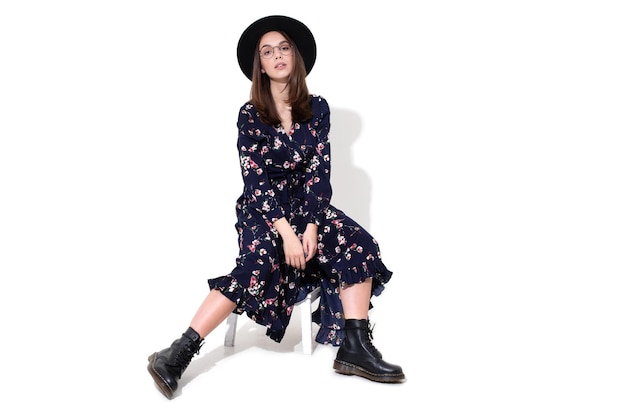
column 305, row 321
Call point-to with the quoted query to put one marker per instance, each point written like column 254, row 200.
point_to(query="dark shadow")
column 352, row 187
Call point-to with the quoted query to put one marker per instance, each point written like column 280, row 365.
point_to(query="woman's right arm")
column 252, row 144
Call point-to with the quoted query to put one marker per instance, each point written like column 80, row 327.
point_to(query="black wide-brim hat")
column 297, row 31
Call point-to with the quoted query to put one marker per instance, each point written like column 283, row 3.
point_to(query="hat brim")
column 297, row 31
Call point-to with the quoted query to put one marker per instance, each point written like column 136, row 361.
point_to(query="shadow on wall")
column 352, row 187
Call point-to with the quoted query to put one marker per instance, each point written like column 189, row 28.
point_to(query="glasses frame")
column 280, row 45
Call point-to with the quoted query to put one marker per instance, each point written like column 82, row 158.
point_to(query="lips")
column 280, row 65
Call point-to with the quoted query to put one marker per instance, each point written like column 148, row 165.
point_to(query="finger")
column 296, row 262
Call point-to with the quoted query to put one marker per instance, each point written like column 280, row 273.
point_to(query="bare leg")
column 355, row 300
column 167, row 366
column 214, row 309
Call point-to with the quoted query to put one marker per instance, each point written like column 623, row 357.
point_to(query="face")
column 276, row 56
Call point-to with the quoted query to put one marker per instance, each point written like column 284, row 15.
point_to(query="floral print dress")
column 287, row 174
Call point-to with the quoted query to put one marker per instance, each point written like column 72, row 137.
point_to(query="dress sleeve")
column 318, row 188
column 252, row 144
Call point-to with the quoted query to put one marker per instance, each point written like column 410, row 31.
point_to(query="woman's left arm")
column 317, row 187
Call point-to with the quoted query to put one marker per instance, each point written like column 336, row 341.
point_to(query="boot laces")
column 370, row 338
column 185, row 354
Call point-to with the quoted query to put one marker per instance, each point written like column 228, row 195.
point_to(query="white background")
column 482, row 144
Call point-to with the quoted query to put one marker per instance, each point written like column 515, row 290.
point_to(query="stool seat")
column 306, row 322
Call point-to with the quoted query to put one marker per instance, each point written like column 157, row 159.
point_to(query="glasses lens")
column 267, row 52
column 285, row 49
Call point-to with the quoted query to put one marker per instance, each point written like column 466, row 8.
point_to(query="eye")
column 285, row 48
column 267, row 52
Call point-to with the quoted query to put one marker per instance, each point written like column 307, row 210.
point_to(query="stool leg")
column 231, row 330
column 307, row 325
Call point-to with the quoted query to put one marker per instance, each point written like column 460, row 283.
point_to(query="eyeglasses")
column 284, row 48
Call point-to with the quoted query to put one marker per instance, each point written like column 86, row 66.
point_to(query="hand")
column 297, row 253
column 294, row 252
column 309, row 241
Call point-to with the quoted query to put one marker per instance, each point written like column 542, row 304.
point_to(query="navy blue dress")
column 287, row 174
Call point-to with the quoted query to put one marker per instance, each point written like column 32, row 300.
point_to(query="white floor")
column 458, row 362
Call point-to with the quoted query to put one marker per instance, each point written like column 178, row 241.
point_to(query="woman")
column 291, row 238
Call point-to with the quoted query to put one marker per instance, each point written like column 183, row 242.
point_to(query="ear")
column 262, row 71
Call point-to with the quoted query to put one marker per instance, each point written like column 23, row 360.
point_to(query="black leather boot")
column 358, row 356
column 168, row 365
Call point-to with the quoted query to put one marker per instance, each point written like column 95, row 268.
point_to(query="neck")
column 280, row 91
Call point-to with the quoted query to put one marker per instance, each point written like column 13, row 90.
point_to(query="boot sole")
column 158, row 379
column 346, row 368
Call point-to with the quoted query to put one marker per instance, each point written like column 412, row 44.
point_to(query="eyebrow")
column 279, row 43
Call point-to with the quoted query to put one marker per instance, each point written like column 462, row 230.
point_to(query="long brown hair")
column 299, row 99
